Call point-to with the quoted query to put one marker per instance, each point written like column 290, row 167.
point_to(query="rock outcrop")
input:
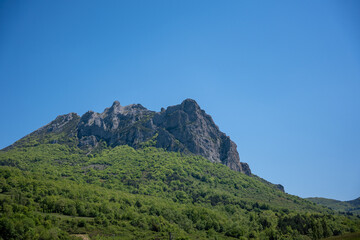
column 184, row 127
column 195, row 131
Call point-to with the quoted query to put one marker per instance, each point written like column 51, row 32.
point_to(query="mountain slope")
column 349, row 207
column 53, row 190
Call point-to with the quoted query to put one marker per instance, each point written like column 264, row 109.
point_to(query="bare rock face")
column 117, row 125
column 184, row 127
column 197, row 132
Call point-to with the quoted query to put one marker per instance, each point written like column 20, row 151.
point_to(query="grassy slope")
column 52, row 190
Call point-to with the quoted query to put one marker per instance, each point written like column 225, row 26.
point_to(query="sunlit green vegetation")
column 51, row 191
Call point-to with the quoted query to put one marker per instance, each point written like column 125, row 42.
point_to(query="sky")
column 281, row 78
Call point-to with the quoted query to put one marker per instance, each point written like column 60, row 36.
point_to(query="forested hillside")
column 53, row 191
column 345, row 207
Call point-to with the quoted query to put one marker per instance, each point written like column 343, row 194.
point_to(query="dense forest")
column 55, row 191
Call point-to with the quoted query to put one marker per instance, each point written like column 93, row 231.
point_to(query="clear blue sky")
column 281, row 78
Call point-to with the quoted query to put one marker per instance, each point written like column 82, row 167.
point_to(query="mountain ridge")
column 184, row 127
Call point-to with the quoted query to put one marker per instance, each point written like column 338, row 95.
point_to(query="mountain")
column 131, row 173
column 348, row 207
column 184, row 127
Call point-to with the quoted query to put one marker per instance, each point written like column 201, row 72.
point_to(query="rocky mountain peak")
column 184, row 127
column 190, row 105
column 115, row 108
column 116, row 103
column 132, row 109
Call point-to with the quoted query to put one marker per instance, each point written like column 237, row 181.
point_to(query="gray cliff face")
column 117, row 125
column 184, row 127
column 197, row 132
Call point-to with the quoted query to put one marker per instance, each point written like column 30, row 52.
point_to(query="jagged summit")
column 184, row 127
column 116, row 103
column 116, row 108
